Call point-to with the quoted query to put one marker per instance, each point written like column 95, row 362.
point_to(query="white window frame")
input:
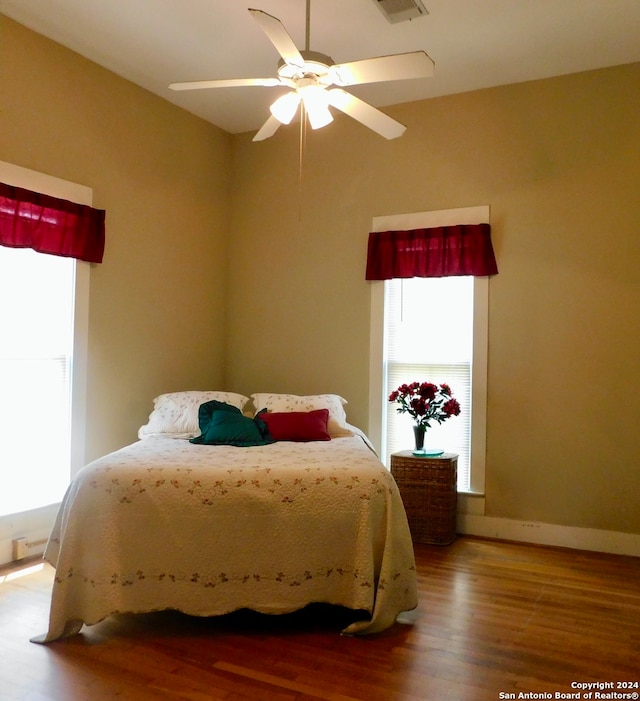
column 377, row 398
column 35, row 525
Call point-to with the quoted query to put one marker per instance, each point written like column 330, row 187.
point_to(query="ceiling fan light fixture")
column 319, row 116
column 310, row 75
column 285, row 107
column 316, row 104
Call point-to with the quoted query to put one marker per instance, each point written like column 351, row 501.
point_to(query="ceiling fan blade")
column 279, row 37
column 365, row 114
column 268, row 129
column 415, row 64
column 230, row 83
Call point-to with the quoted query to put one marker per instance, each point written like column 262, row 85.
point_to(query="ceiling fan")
column 315, row 82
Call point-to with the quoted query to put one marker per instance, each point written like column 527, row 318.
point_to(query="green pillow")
column 223, row 424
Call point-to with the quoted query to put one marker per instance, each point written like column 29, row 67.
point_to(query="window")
column 432, row 329
column 36, row 350
column 429, row 337
column 43, row 348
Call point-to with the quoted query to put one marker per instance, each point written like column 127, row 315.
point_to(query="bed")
column 173, row 521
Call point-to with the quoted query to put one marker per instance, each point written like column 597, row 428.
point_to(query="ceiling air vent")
column 401, row 10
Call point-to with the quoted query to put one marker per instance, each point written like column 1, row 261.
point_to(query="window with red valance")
column 442, row 251
column 50, row 225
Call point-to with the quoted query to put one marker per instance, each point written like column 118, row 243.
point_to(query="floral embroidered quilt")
column 206, row 530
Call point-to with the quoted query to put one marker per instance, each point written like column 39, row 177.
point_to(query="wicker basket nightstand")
column 428, row 487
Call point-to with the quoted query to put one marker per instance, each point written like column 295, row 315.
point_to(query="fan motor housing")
column 315, row 63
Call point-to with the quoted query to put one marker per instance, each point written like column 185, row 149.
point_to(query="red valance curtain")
column 50, row 225
column 442, row 251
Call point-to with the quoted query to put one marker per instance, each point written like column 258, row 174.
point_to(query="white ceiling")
column 474, row 43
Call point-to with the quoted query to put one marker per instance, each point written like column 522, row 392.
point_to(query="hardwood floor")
column 495, row 621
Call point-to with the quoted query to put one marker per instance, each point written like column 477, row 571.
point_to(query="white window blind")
column 429, row 338
column 36, row 347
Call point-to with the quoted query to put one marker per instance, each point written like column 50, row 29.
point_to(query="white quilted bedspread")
column 165, row 524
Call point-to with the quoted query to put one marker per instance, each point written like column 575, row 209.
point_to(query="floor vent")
column 401, row 10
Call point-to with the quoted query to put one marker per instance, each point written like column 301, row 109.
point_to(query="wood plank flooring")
column 495, row 621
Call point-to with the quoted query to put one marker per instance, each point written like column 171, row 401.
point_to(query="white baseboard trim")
column 537, row 533
column 37, row 526
column 34, row 525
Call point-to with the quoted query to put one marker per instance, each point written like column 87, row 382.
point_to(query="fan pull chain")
column 303, row 138
column 303, row 113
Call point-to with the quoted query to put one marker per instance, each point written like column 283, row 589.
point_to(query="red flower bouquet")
column 425, row 402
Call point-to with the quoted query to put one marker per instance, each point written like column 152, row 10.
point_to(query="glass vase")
column 418, row 435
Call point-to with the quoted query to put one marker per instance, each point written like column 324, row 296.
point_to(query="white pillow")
column 176, row 414
column 337, row 423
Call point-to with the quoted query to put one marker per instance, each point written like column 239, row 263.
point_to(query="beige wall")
column 157, row 300
column 190, row 208
column 558, row 161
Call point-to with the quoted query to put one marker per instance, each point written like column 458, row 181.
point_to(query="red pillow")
column 297, row 425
